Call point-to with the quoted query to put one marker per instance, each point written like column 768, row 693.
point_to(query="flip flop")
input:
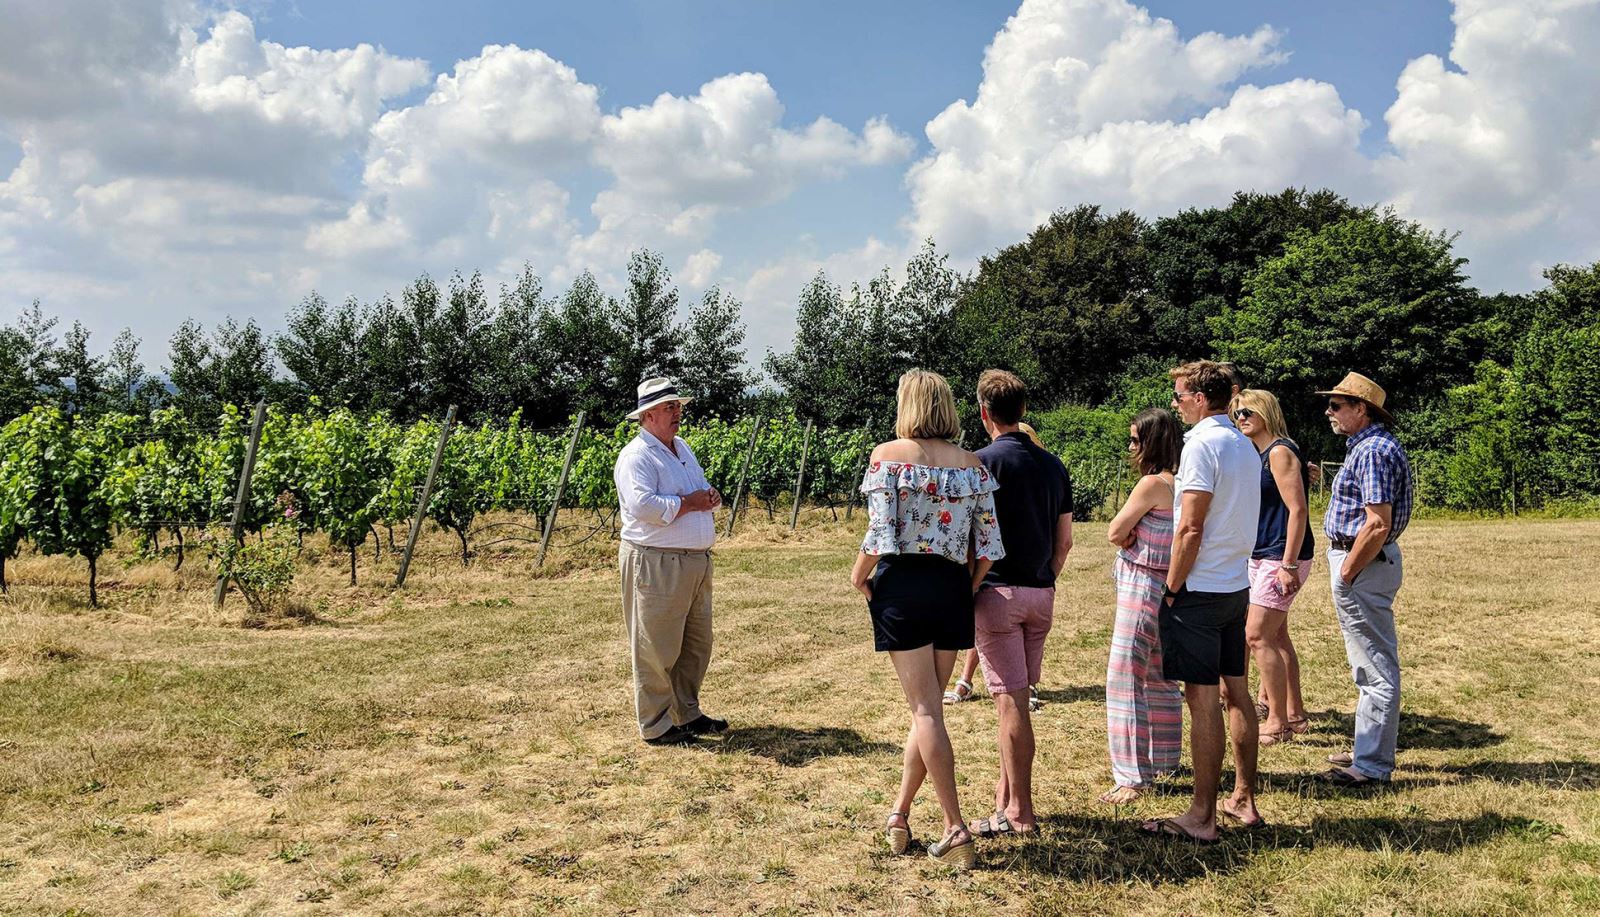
column 1169, row 827
column 1343, row 779
column 1342, row 758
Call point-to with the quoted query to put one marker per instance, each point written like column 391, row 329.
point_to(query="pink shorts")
column 1011, row 624
column 1264, row 589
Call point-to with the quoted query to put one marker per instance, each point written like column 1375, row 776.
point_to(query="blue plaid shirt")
column 1375, row 470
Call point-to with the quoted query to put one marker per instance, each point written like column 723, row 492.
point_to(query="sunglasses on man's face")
column 1179, row 396
column 1335, row 405
column 1243, row 414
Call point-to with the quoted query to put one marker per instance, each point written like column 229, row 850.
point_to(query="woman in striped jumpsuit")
column 1144, row 712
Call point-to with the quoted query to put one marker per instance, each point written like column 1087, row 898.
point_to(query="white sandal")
column 956, row 696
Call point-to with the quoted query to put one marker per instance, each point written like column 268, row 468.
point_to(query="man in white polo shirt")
column 1217, row 497
column 667, row 532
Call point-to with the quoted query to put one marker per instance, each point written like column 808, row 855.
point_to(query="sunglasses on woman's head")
column 1243, row 414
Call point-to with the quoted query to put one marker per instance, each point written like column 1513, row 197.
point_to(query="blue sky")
column 162, row 159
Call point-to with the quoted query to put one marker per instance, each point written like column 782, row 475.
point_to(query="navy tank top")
column 1272, row 527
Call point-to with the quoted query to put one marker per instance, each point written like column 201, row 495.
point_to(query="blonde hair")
column 925, row 408
column 1033, row 434
column 1266, row 406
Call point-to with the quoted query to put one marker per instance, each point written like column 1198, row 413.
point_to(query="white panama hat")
column 656, row 391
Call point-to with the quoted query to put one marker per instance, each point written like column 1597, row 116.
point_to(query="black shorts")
column 1202, row 636
column 920, row 599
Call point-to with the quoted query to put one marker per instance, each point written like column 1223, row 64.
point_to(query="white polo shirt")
column 651, row 482
column 1219, row 460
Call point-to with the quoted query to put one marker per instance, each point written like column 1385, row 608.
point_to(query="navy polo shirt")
column 1035, row 491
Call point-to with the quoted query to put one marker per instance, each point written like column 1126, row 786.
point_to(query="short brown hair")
column 1209, row 379
column 925, row 408
column 1160, row 441
column 1003, row 395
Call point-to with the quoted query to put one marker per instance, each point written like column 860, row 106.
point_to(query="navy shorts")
column 918, row 600
column 1202, row 636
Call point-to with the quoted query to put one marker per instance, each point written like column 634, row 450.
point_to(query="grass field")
column 467, row 746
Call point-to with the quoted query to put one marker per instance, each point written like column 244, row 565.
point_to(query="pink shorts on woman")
column 1011, row 624
column 1264, row 588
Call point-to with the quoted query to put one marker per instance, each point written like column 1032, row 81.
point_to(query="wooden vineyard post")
column 236, row 530
column 850, row 497
column 561, row 485
column 738, row 492
column 800, row 477
column 427, row 493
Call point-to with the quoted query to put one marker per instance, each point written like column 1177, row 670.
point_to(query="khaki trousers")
column 666, row 606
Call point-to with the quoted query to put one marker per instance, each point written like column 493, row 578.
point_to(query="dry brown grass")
column 466, row 746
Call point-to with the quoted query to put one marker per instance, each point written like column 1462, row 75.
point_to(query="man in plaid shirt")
column 1369, row 507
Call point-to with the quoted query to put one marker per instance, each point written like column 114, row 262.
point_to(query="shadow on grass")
column 797, row 747
column 1446, row 835
column 1417, row 730
column 1073, row 694
column 1111, row 850
column 1555, row 775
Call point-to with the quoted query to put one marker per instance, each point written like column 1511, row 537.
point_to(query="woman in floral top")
column 931, row 536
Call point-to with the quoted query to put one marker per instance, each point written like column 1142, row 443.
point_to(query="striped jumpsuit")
column 1144, row 713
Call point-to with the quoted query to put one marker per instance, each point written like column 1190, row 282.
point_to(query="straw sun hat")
column 1355, row 385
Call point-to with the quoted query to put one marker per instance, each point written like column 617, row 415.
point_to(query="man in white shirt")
column 1217, row 499
column 667, row 532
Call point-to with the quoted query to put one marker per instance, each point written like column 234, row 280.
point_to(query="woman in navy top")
column 1279, row 565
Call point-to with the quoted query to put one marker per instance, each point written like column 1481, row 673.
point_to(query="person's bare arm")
column 861, row 573
column 980, row 569
column 1369, row 541
column 1286, row 473
column 1186, row 540
column 1063, row 543
column 1140, row 501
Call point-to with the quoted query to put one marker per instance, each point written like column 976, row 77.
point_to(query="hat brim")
column 638, row 412
column 1377, row 410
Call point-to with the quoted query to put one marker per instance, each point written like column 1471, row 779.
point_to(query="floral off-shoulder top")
column 925, row 509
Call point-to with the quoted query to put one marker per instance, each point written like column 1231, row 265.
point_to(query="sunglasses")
column 1243, row 414
column 1133, row 440
column 1335, row 405
column 1179, row 396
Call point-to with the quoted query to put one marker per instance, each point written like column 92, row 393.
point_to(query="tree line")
column 1495, row 391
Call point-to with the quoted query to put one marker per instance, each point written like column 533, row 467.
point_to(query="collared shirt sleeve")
column 1376, row 473
column 636, row 488
column 1197, row 468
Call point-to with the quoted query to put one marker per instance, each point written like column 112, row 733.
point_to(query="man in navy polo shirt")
column 1014, row 608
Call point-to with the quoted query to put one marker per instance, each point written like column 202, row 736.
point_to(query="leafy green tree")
column 232, row 366
column 1377, row 294
column 320, row 349
column 646, row 323
column 582, row 335
column 1079, row 284
column 129, row 388
column 810, row 373
column 1199, row 259
column 457, row 345
column 713, row 355
column 79, row 384
column 520, row 362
